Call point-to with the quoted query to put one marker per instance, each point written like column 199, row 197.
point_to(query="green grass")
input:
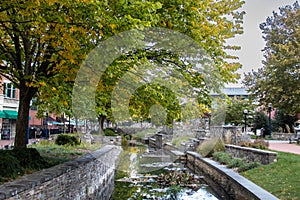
column 50, row 150
column 176, row 141
column 144, row 133
column 281, row 178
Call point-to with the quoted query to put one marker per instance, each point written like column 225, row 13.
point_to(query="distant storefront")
column 8, row 126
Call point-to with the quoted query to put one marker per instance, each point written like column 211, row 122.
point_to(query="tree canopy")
column 44, row 42
column 235, row 111
column 277, row 82
column 207, row 23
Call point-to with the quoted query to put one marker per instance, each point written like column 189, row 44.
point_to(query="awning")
column 2, row 114
column 55, row 123
column 11, row 114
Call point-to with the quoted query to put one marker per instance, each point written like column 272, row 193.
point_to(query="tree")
column 43, row 42
column 284, row 122
column 260, row 121
column 149, row 95
column 277, row 82
column 234, row 111
column 203, row 21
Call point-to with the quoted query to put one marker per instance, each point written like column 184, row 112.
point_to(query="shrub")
column 261, row 144
column 64, row 139
column 248, row 165
column 109, row 132
column 9, row 165
column 258, row 144
column 15, row 162
column 239, row 163
column 208, row 147
column 236, row 162
column 29, row 158
column 222, row 157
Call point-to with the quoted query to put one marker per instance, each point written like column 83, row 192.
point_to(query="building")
column 232, row 92
column 9, row 104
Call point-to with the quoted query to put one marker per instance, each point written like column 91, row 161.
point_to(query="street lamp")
column 28, row 127
column 46, row 124
column 269, row 111
column 245, row 119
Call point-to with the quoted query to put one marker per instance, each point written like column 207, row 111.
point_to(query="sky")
column 251, row 42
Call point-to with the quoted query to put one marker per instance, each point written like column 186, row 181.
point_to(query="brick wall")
column 88, row 177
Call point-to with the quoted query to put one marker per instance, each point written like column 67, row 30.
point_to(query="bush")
column 208, row 147
column 236, row 162
column 239, row 163
column 222, row 157
column 29, row 158
column 16, row 162
column 257, row 144
column 261, row 144
column 248, row 165
column 9, row 165
column 109, row 132
column 64, row 139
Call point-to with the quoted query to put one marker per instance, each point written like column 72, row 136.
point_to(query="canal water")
column 143, row 174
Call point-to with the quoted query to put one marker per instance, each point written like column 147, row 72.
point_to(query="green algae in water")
column 138, row 185
column 166, row 185
column 122, row 189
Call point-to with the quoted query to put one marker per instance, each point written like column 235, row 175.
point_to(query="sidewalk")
column 4, row 143
column 284, row 146
column 8, row 143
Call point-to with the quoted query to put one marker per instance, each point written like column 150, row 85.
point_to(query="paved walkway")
column 284, row 146
column 8, row 143
column 4, row 143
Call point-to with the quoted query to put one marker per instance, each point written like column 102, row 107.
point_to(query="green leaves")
column 44, row 42
column 278, row 80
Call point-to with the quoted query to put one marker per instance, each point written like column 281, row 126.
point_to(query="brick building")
column 9, row 104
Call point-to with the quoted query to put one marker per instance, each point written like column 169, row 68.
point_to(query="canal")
column 145, row 174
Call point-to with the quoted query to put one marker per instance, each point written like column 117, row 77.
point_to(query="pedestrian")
column 262, row 130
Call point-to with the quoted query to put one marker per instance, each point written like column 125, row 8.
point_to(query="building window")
column 33, row 106
column 9, row 90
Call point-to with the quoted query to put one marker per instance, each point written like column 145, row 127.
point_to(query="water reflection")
column 148, row 175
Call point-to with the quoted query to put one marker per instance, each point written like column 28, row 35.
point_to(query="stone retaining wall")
column 227, row 183
column 251, row 154
column 88, row 177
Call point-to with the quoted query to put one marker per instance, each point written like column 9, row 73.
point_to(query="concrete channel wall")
column 88, row 177
column 227, row 183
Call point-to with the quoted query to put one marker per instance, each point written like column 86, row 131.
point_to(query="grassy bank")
column 282, row 178
column 49, row 149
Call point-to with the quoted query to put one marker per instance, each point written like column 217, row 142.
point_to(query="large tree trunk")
column 101, row 119
column 26, row 95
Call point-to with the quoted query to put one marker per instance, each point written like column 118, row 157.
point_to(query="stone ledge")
column 235, row 185
column 251, row 154
column 62, row 181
